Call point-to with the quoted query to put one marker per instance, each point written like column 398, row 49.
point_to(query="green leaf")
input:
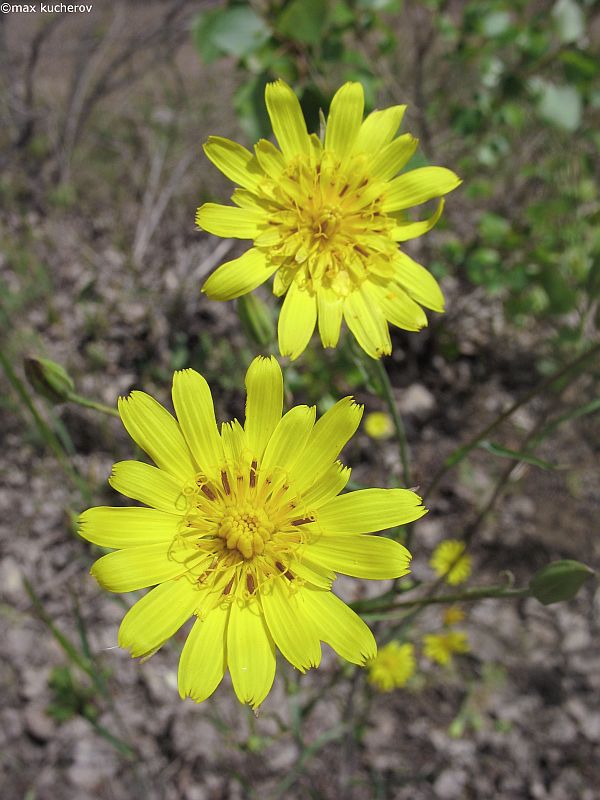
column 496, row 23
column 304, row 21
column 237, row 31
column 558, row 581
column 505, row 452
column 559, row 105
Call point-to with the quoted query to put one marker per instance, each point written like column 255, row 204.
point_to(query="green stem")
column 87, row 403
column 469, row 595
column 461, row 452
column 44, row 429
column 388, row 396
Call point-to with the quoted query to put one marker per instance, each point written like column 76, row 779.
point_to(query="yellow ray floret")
column 326, row 219
column 244, row 529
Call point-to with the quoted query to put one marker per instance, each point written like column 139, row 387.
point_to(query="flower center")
column 245, row 529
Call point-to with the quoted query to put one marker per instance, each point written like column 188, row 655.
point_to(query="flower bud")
column 256, row 319
column 48, row 379
column 560, row 580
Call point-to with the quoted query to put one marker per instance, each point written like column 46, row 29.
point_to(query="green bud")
column 256, row 319
column 560, row 580
column 48, row 379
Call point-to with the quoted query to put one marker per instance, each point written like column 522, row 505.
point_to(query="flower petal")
column 378, row 129
column 367, row 322
column 418, row 186
column 296, row 321
column 344, row 119
column 330, row 484
column 373, row 557
column 270, row 159
column 157, row 433
column 411, row 230
column 229, row 221
column 339, row 626
column 127, row 527
column 250, row 653
column 203, row 658
column 330, row 318
column 287, row 443
column 400, row 309
column 370, row 510
column 239, row 276
column 390, row 160
column 234, row 161
column 136, row 568
column 287, row 119
column 264, row 402
column 290, row 626
column 418, row 282
column 158, row 616
column 149, row 485
column 328, row 437
column 193, row 403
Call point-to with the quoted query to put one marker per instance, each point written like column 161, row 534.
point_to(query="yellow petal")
column 390, row 160
column 287, row 119
column 195, row 411
column 400, row 309
column 203, row 658
column 250, row 653
column 367, row 322
column 234, row 161
column 290, row 626
column 149, row 485
column 296, row 321
column 270, row 159
column 314, row 574
column 157, row 433
column 411, row 230
column 339, row 626
column 234, row 444
column 127, row 527
column 370, row 510
column 239, row 276
column 158, row 616
column 344, row 119
column 264, row 402
column 228, row 221
column 418, row 282
column 378, row 129
column 328, row 486
column 328, row 437
column 373, row 557
column 330, row 318
column 287, row 443
column 418, row 186
column 136, row 568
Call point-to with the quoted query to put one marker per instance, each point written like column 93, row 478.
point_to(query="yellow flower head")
column 450, row 560
column 440, row 647
column 392, row 667
column 452, row 616
column 326, row 218
column 378, row 425
column 245, row 531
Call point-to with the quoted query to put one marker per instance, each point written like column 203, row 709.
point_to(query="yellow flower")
column 453, row 615
column 245, row 531
column 378, row 425
column 448, row 561
column 440, row 647
column 392, row 667
column 325, row 218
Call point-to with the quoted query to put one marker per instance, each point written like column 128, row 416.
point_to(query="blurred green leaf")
column 304, row 21
column 569, row 20
column 559, row 581
column 504, row 452
column 560, row 105
column 236, row 31
column 496, row 23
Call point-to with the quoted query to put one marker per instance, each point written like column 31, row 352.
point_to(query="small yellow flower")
column 449, row 560
column 440, row 647
column 326, row 218
column 392, row 667
column 452, row 616
column 378, row 425
column 245, row 530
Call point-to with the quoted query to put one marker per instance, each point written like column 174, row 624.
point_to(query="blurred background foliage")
column 510, row 87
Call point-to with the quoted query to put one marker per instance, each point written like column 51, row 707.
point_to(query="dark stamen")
column 303, row 521
column 209, row 492
column 253, row 467
column 225, row 482
column 250, row 583
column 227, row 589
